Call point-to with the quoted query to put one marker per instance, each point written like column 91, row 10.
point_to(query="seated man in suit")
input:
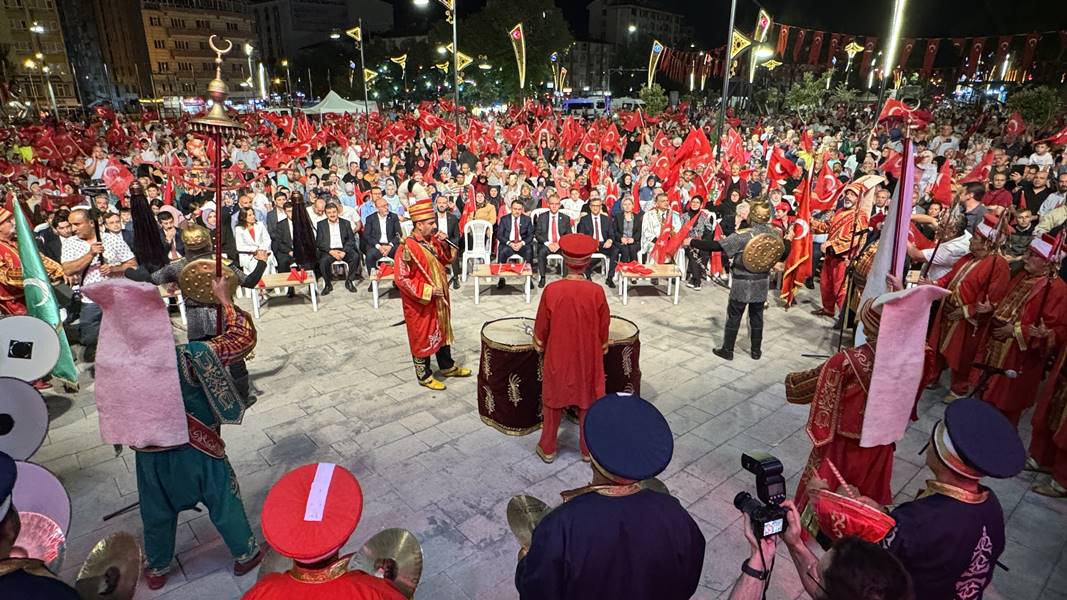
column 448, row 231
column 550, row 226
column 381, row 234
column 281, row 238
column 600, row 227
column 514, row 234
column 627, row 231
column 336, row 241
column 277, row 215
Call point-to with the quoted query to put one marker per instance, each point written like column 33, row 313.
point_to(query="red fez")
column 5, row 214
column 421, row 210
column 840, row 516
column 312, row 511
column 577, row 248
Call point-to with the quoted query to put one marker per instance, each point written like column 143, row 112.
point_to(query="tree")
column 842, row 94
column 655, row 99
column 1037, row 105
column 806, row 94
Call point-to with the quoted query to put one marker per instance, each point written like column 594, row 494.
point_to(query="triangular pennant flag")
column 369, row 75
column 653, row 60
column 518, row 44
column 738, row 44
column 401, row 60
column 462, row 61
column 356, row 33
column 443, row 66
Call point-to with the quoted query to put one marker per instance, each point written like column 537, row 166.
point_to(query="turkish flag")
column 798, row 263
column 1015, row 126
column 783, row 40
column 1059, row 138
column 631, row 121
column 980, row 172
column 661, row 142
column 589, row 147
column 611, row 141
column 520, row 162
column 734, row 148
column 835, row 43
column 941, row 189
column 1028, row 52
column 117, row 178
column 893, row 109
column 816, row 48
column 930, row 56
column 798, row 44
column 893, row 163
column 827, row 187
column 806, row 142
column 429, row 121
column 780, row 168
column 468, row 209
column 977, row 46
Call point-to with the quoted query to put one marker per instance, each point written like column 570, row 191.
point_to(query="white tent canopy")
column 334, row 103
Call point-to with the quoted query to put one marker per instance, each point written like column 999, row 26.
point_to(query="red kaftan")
column 12, row 292
column 419, row 270
column 1021, row 352
column 331, row 583
column 572, row 327
column 970, row 281
column 837, row 392
column 1048, row 443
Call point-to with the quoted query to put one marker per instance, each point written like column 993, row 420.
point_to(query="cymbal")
column 111, row 570
column 40, row 538
column 273, row 563
column 196, row 277
column 655, row 485
column 393, row 554
column 524, row 513
column 23, row 418
column 38, row 490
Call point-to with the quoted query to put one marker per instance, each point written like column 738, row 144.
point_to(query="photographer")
column 852, row 569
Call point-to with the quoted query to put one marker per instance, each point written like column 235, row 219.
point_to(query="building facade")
column 286, row 26
column 588, row 64
column 616, row 21
column 180, row 59
column 33, row 36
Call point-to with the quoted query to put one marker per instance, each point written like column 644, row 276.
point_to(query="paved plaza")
column 338, row 386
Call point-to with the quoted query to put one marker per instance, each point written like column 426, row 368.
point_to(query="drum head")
column 511, row 332
column 29, row 348
column 38, row 490
column 23, row 418
column 40, row 538
column 621, row 329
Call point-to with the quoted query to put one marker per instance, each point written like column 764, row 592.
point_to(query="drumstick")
column 844, row 484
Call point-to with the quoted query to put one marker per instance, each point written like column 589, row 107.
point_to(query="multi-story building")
column 286, row 26
column 31, row 31
column 587, row 65
column 616, row 21
column 120, row 34
column 180, row 60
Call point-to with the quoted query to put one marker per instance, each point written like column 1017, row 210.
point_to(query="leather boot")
column 726, row 351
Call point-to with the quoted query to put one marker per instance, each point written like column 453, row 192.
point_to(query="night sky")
column 933, row 18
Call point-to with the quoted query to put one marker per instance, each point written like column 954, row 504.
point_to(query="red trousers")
column 550, row 429
column 832, row 282
column 1048, row 455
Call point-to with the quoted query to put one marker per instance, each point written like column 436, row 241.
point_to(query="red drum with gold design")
column 509, row 377
column 622, row 362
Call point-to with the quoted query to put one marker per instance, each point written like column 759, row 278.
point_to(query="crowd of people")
column 410, row 191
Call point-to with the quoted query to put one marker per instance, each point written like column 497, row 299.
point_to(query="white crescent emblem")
column 804, row 226
column 46, row 292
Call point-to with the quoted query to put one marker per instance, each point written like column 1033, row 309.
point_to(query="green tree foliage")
column 806, row 94
column 655, row 99
column 842, row 94
column 1037, row 105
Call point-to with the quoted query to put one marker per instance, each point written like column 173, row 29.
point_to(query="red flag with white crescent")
column 798, row 264
column 827, row 187
column 1015, row 126
column 981, row 170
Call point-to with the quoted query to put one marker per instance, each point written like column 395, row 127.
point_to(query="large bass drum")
column 622, row 362
column 29, row 348
column 509, row 377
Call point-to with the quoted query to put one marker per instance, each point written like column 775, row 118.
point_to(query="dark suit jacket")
column 541, row 226
column 50, row 244
column 617, row 224
column 372, row 230
column 322, row 236
column 503, row 229
column 452, row 231
column 272, row 223
column 281, row 241
column 607, row 227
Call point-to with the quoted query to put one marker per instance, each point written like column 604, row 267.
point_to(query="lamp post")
column 248, row 56
column 216, row 124
column 891, row 51
column 451, row 17
column 288, row 86
column 725, row 81
column 852, row 49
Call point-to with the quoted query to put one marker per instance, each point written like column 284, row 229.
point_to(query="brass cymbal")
column 196, row 277
column 655, row 485
column 111, row 570
column 273, row 563
column 40, row 538
column 393, row 554
column 524, row 513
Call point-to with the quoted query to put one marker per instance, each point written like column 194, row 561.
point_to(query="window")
column 179, row 23
column 203, row 24
column 184, row 66
column 159, row 44
column 162, row 66
column 231, row 27
column 181, row 44
column 207, row 66
column 155, row 21
column 188, row 88
column 203, row 45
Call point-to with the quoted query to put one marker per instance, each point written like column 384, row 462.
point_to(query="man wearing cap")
column 977, row 282
column 308, row 516
column 1027, row 328
column 950, row 537
column 12, row 292
column 613, row 538
column 22, row 578
column 423, row 283
column 571, row 330
column 840, row 231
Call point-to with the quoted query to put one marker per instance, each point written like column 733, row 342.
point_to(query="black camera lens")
column 745, row 503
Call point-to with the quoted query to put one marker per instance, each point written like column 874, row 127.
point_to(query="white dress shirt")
column 384, row 237
column 948, row 253
column 335, row 235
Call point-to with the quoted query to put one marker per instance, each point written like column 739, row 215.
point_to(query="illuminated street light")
column 285, row 63
column 36, row 28
column 764, row 51
column 441, row 50
column 422, row 3
column 248, row 49
column 29, row 64
column 632, row 28
column 39, row 56
column 335, row 36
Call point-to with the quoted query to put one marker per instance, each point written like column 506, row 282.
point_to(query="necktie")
column 515, row 230
column 553, row 237
column 596, row 227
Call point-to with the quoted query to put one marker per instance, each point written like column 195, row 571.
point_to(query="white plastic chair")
column 476, row 243
column 574, row 216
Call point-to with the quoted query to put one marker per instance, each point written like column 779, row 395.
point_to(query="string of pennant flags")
column 805, row 46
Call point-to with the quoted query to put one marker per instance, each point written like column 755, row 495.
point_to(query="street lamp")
column 36, row 28
column 335, row 36
column 452, row 17
column 248, row 54
column 288, row 85
column 631, row 28
column 441, row 50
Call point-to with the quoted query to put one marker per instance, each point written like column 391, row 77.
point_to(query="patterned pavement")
column 337, row 385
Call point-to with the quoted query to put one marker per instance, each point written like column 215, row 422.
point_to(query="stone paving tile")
column 427, row 463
